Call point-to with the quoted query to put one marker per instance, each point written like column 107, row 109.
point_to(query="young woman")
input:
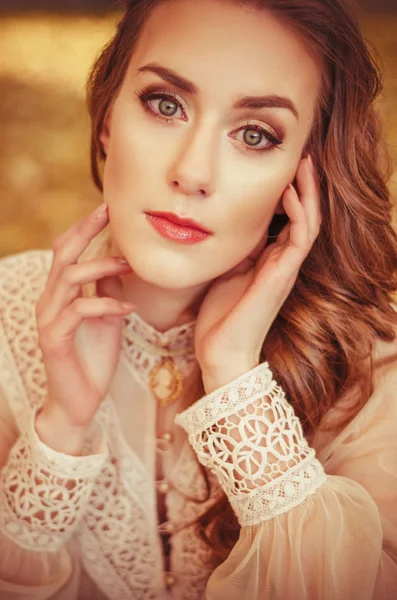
column 199, row 382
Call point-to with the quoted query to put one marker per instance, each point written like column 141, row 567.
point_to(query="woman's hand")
column 77, row 383
column 241, row 305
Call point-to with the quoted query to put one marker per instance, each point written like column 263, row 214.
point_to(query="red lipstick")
column 184, row 231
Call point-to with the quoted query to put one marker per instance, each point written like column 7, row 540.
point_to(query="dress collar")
column 163, row 361
column 177, row 341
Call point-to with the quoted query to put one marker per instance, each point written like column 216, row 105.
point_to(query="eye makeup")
column 153, row 92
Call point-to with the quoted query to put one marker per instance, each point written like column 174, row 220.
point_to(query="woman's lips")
column 183, row 221
column 178, row 233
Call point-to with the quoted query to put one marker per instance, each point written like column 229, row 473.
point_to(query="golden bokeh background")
column 45, row 182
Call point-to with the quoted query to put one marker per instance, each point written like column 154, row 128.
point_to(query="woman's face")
column 193, row 153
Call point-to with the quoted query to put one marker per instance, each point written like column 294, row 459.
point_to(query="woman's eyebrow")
column 254, row 102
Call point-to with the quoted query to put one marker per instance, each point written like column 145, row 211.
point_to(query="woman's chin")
column 167, row 277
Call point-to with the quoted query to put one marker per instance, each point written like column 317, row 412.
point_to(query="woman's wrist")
column 54, row 431
column 216, row 378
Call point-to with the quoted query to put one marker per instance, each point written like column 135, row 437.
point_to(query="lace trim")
column 142, row 360
column 226, row 399
column 44, row 493
column 247, row 433
column 140, row 363
column 176, row 339
column 22, row 279
column 10, row 380
column 64, row 465
column 290, row 491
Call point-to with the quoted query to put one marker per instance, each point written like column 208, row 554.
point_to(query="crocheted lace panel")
column 247, row 433
column 44, row 493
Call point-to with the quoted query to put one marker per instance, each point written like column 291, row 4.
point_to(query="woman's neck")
column 162, row 308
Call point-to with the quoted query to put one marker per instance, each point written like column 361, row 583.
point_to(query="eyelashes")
column 145, row 97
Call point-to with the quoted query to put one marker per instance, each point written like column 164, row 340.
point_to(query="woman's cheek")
column 255, row 210
column 122, row 169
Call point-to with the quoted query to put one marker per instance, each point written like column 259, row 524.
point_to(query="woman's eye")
column 161, row 105
column 253, row 136
column 165, row 106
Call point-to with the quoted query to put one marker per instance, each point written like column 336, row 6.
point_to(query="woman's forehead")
column 227, row 50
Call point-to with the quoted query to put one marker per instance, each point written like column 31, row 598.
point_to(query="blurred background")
column 46, row 50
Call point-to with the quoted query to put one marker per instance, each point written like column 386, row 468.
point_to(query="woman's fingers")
column 69, row 246
column 309, row 196
column 302, row 206
column 61, row 309
column 58, row 338
column 298, row 230
column 67, row 286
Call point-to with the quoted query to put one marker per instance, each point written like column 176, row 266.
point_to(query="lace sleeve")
column 43, row 492
column 247, row 433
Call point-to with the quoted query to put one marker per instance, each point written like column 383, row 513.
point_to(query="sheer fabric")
column 318, row 520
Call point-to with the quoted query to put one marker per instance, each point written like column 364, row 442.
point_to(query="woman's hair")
column 320, row 346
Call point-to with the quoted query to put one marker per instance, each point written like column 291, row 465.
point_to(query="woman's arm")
column 43, row 496
column 307, row 532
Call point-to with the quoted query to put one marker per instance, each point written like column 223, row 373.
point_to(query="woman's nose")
column 193, row 170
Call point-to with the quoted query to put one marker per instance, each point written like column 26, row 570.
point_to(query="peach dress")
column 318, row 521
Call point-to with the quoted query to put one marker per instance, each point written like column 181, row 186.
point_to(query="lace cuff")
column 247, row 433
column 44, row 492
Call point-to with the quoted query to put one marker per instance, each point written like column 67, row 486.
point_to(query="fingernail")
column 100, row 211
column 122, row 260
column 129, row 306
column 310, row 161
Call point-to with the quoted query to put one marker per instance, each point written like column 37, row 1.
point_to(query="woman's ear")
column 104, row 136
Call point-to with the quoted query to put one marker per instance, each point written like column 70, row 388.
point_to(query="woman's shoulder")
column 31, row 265
column 379, row 408
column 23, row 277
column 384, row 373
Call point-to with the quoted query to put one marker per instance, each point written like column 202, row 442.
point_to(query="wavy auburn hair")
column 321, row 344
